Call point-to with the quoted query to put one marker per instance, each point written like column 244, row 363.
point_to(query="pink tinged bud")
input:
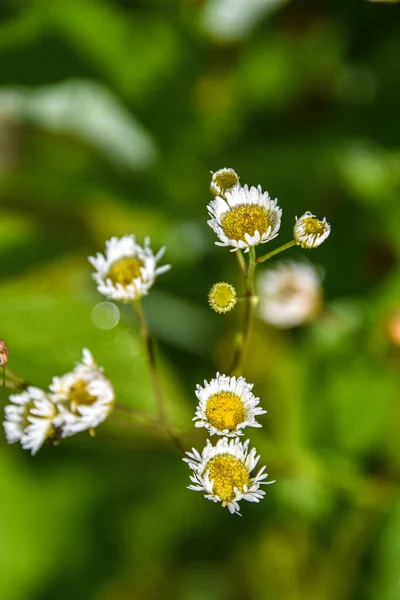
column 3, row 354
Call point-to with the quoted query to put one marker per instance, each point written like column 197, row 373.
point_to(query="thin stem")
column 14, row 381
column 265, row 257
column 243, row 336
column 135, row 412
column 154, row 375
column 242, row 262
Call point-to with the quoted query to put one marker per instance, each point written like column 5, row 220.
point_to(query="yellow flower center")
column 27, row 413
column 78, row 394
column 313, row 226
column 125, row 270
column 222, row 297
column 225, row 410
column 245, row 219
column 228, row 473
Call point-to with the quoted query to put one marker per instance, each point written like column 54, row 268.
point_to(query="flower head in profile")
column 223, row 472
column 127, row 271
column 222, row 297
column 31, row 418
column 244, row 218
column 227, row 405
column 309, row 232
column 84, row 396
column 223, row 180
column 289, row 295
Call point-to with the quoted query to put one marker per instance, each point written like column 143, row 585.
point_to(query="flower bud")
column 3, row 354
column 222, row 297
column 223, row 180
column 309, row 232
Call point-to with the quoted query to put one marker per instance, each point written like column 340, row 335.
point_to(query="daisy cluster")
column 226, row 405
column 77, row 401
column 83, row 398
column 244, row 217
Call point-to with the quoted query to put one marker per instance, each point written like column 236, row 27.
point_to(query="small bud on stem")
column 3, row 359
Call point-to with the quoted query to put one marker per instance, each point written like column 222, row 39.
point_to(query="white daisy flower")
column 309, row 232
column 226, row 406
column 223, row 472
column 31, row 419
column 127, row 271
column 85, row 397
column 244, row 217
column 223, row 180
column 289, row 295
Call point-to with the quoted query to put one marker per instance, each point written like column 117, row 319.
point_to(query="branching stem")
column 154, row 375
column 265, row 257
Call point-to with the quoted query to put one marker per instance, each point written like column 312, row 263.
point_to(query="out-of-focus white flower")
column 31, row 418
column 223, row 180
column 84, row 396
column 127, row 271
column 244, row 217
column 309, row 232
column 289, row 295
column 223, row 473
column 226, row 406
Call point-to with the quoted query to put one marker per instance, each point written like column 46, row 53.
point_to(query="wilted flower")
column 289, row 295
column 31, row 419
column 226, row 406
column 222, row 297
column 84, row 396
column 127, row 271
column 223, row 180
column 244, row 217
column 223, row 472
column 309, row 232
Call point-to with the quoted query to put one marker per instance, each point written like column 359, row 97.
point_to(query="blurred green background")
column 112, row 114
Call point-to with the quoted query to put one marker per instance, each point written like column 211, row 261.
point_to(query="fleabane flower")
column 31, row 418
column 289, row 295
column 127, row 271
column 223, row 472
column 309, row 232
column 84, row 396
column 223, row 180
column 222, row 297
column 244, row 218
column 227, row 405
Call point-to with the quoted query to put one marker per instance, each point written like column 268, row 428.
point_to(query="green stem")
column 265, row 257
column 14, row 381
column 135, row 412
column 155, row 380
column 243, row 336
column 242, row 262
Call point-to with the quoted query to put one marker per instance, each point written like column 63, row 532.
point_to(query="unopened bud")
column 222, row 297
column 3, row 354
column 223, row 180
column 309, row 232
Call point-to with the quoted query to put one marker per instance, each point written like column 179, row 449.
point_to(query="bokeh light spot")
column 105, row 315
